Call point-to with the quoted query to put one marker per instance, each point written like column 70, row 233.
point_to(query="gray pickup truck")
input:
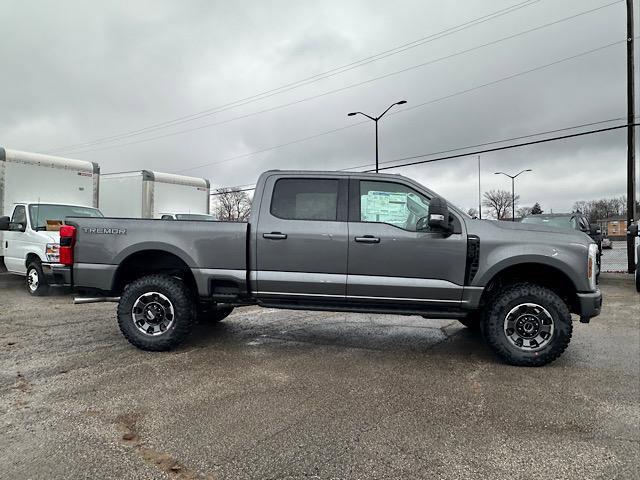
column 337, row 241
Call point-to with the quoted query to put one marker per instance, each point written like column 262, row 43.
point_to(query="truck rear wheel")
column 156, row 312
column 36, row 281
column 528, row 325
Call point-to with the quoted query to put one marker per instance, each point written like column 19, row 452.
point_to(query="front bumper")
column 57, row 274
column 589, row 305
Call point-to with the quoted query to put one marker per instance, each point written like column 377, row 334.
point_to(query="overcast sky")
column 74, row 72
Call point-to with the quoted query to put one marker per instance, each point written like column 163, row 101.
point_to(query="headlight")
column 592, row 266
column 52, row 252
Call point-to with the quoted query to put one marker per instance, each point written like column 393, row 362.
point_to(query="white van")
column 32, row 241
column 147, row 194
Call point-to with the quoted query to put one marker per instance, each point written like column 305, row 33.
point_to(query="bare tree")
column 232, row 205
column 498, row 203
column 602, row 208
column 524, row 211
column 472, row 212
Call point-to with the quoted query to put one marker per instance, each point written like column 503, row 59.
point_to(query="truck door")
column 16, row 241
column 301, row 237
column 389, row 261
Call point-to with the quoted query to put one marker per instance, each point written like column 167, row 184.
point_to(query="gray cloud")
column 78, row 71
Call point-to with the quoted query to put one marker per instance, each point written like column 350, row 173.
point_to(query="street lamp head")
column 528, row 170
column 401, row 102
column 352, row 114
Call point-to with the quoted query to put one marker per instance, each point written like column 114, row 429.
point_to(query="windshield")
column 53, row 215
column 558, row 222
column 195, row 216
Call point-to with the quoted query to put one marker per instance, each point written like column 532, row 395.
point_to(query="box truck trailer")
column 147, row 194
column 36, row 193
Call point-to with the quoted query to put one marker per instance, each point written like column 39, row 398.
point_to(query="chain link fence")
column 614, row 259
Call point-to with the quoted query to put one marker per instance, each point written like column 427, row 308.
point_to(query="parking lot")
column 293, row 394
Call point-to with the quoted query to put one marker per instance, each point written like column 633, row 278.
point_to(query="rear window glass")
column 305, row 199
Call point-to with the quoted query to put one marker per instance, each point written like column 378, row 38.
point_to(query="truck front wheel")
column 36, row 282
column 528, row 325
column 156, row 312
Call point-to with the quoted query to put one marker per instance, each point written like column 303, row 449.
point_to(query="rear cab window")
column 305, row 199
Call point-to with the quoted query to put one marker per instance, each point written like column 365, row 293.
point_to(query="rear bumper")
column 589, row 304
column 57, row 274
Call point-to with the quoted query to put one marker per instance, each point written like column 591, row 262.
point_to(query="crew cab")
column 341, row 241
column 31, row 242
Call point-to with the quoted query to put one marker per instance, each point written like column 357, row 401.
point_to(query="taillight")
column 67, row 241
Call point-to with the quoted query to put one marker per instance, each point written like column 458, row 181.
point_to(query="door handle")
column 275, row 236
column 367, row 239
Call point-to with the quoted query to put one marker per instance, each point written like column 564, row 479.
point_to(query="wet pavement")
column 294, row 394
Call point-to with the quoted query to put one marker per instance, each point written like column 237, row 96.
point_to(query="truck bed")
column 207, row 248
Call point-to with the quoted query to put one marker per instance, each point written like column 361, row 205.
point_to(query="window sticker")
column 387, row 207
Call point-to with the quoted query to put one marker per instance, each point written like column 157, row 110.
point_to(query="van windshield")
column 54, row 215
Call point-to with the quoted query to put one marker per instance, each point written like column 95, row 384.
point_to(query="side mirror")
column 633, row 230
column 438, row 218
column 595, row 230
column 4, row 223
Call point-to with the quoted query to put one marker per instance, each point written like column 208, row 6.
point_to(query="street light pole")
column 375, row 119
column 513, row 190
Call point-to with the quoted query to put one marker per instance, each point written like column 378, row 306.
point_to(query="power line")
column 496, row 149
column 423, row 104
column 473, row 153
column 308, row 80
column 358, row 84
column 590, row 124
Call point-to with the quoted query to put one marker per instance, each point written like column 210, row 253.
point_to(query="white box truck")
column 36, row 193
column 147, row 194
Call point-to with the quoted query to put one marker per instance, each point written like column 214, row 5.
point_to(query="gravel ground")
column 291, row 394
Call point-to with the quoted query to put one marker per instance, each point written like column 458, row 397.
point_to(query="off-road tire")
column 213, row 314
column 182, row 303
column 42, row 287
column 493, row 325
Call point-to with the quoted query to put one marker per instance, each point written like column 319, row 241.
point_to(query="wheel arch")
column 539, row 273
column 145, row 262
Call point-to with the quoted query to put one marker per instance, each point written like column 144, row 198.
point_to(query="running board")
column 83, row 300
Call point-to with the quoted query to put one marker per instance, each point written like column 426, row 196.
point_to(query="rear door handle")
column 275, row 236
column 367, row 239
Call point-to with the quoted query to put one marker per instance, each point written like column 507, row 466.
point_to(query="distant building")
column 614, row 227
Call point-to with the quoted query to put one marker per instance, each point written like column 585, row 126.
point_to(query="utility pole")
column 631, row 143
column 479, row 192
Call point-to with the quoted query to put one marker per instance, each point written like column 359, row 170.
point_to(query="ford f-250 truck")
column 340, row 241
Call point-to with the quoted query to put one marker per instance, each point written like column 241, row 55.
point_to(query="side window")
column 19, row 215
column 305, row 199
column 392, row 203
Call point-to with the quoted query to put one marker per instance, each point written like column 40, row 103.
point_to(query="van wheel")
column 214, row 315
column 527, row 325
column 156, row 312
column 36, row 281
